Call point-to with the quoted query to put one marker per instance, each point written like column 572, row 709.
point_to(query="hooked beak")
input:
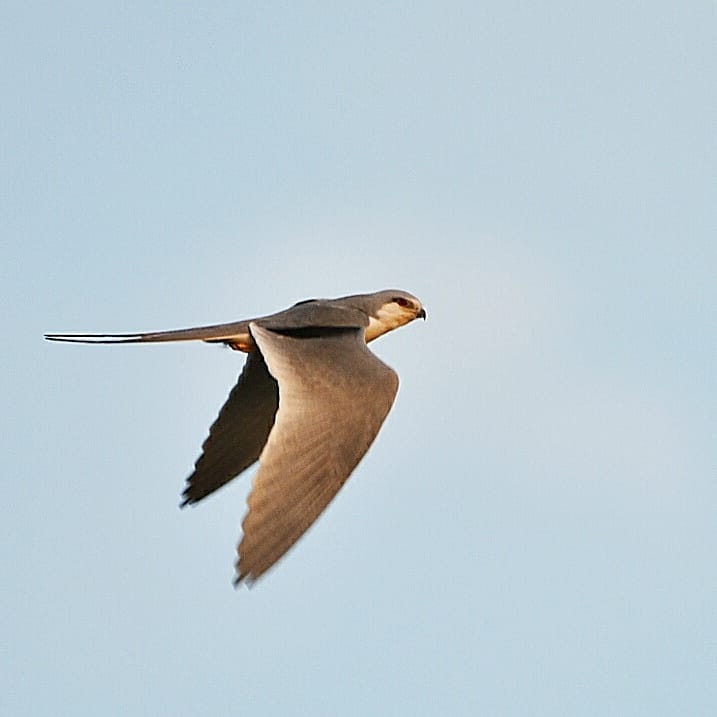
column 421, row 314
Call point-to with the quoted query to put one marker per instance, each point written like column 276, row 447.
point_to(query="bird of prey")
column 308, row 404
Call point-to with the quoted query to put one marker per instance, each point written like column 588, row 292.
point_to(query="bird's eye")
column 401, row 301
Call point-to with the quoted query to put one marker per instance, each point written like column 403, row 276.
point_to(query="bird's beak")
column 421, row 314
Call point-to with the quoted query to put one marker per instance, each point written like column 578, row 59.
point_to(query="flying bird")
column 308, row 404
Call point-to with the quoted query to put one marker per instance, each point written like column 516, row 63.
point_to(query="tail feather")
column 219, row 332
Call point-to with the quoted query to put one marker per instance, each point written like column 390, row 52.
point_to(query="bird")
column 308, row 404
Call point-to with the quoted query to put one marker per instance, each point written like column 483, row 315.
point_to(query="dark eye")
column 401, row 301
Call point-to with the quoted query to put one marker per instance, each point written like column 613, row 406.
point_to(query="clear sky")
column 533, row 532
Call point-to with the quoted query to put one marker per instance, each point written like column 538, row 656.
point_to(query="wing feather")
column 238, row 435
column 334, row 394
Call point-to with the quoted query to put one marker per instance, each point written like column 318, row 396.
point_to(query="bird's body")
column 308, row 405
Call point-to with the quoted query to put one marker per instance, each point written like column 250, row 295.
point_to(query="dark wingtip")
column 188, row 499
column 243, row 577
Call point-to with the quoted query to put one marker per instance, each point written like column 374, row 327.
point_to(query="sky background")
column 533, row 532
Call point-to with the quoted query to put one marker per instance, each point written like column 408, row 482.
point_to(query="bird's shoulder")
column 315, row 314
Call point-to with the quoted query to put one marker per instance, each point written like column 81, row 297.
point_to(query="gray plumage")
column 307, row 406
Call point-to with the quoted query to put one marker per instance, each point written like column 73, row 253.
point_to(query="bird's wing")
column 315, row 314
column 239, row 433
column 216, row 332
column 334, row 394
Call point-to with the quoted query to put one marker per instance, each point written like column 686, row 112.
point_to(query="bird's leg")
column 240, row 345
column 240, row 342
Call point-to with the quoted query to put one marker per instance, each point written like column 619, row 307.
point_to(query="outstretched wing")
column 334, row 394
column 239, row 433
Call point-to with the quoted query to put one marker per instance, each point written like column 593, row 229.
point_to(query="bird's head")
column 387, row 310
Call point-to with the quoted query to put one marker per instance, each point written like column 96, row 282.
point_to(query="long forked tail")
column 237, row 331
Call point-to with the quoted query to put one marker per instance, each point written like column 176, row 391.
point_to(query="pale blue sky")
column 534, row 531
